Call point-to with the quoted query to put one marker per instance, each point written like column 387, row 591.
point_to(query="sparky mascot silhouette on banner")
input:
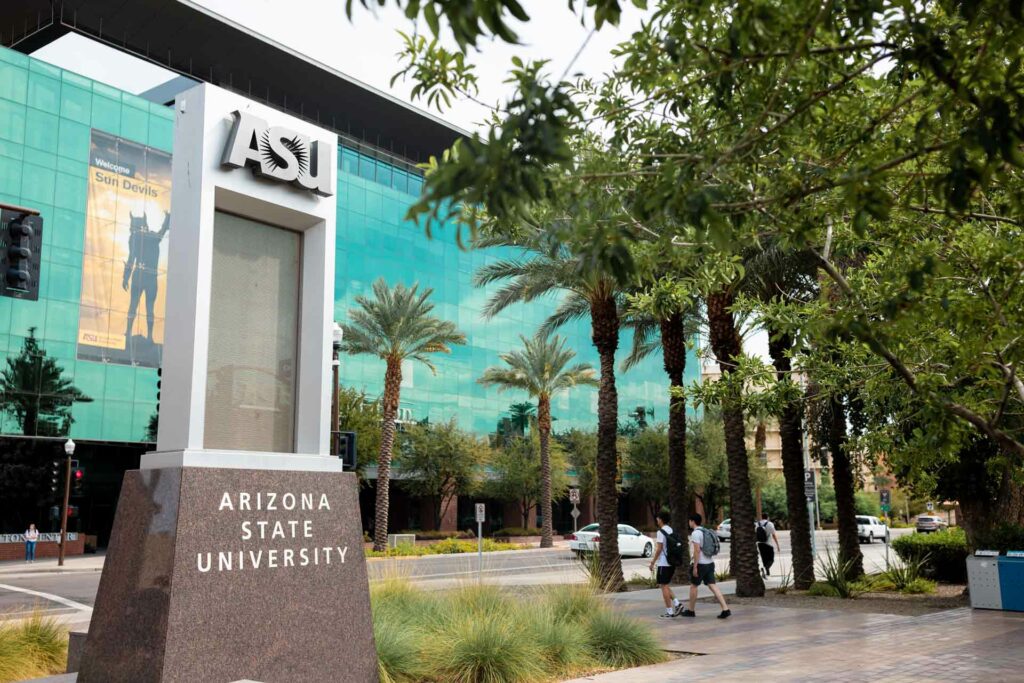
column 140, row 272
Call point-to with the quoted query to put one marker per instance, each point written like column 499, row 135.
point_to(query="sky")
column 366, row 47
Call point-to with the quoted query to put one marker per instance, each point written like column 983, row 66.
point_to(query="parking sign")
column 481, row 513
column 574, row 496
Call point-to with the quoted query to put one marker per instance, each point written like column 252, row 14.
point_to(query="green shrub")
column 919, row 586
column 397, row 657
column 903, row 573
column 642, row 580
column 571, row 602
column 725, row 574
column 620, row 642
column 836, row 572
column 435, row 535
column 483, row 648
column 820, row 589
column 563, row 643
column 32, row 648
column 449, row 546
column 946, row 553
column 515, row 531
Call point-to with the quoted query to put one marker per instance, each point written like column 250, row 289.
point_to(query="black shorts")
column 705, row 574
column 665, row 575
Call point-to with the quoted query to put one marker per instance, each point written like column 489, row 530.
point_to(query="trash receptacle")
column 1011, row 583
column 983, row 582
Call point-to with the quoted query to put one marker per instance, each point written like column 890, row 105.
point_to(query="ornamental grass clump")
column 481, row 634
column 32, row 648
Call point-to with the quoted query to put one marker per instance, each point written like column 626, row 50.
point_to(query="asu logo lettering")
column 279, row 153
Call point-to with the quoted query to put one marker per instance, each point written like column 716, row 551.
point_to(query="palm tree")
column 727, row 346
column 520, row 415
column 776, row 273
column 671, row 313
column 541, row 369
column 546, row 266
column 395, row 325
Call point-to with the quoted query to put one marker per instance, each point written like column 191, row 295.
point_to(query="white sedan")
column 725, row 530
column 631, row 542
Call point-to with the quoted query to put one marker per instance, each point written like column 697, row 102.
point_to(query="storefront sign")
column 43, row 538
column 279, row 153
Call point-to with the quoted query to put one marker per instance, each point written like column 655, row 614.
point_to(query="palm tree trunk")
column 725, row 342
column 791, row 432
column 392, row 390
column 604, row 320
column 673, row 352
column 544, row 429
column 843, row 480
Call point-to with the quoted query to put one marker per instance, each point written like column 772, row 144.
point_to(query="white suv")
column 870, row 528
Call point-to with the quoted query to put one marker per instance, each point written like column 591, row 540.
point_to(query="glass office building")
column 82, row 360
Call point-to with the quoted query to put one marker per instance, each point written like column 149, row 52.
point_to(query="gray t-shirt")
column 698, row 537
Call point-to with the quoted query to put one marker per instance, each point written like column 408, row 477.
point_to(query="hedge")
column 946, row 550
column 515, row 532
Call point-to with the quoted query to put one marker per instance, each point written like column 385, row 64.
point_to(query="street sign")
column 885, row 498
column 481, row 513
column 574, row 496
column 575, row 513
column 809, row 488
column 929, row 506
column 885, row 507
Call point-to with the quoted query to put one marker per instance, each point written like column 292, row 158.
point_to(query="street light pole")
column 335, row 367
column 69, row 450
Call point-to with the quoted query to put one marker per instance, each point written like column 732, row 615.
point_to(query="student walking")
column 705, row 546
column 668, row 554
column 30, row 536
column 765, row 532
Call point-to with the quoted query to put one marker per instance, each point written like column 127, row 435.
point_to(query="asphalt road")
column 514, row 568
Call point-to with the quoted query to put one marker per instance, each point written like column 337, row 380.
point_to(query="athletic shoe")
column 687, row 613
column 666, row 615
column 725, row 614
column 679, row 608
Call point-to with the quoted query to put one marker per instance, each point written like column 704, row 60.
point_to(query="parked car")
column 724, row 530
column 929, row 523
column 870, row 528
column 632, row 543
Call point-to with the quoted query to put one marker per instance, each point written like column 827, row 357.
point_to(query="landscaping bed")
column 449, row 546
column 946, row 596
column 481, row 633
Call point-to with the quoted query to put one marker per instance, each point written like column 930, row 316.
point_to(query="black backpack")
column 762, row 532
column 673, row 548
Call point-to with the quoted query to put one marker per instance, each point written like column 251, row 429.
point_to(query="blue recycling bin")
column 1011, row 583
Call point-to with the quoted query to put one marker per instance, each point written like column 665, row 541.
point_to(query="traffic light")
column 159, row 379
column 77, row 480
column 21, row 238
column 55, row 476
column 345, row 448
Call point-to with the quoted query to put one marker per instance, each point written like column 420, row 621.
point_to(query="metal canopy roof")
column 193, row 41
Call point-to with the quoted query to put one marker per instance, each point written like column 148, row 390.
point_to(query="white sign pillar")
column 207, row 180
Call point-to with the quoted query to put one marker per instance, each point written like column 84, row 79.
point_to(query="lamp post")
column 763, row 457
column 336, row 335
column 69, row 450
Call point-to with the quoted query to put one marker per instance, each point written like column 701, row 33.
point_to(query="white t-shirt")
column 769, row 529
column 31, row 535
column 663, row 533
column 698, row 537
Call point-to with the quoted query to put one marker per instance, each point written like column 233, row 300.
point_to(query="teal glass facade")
column 46, row 118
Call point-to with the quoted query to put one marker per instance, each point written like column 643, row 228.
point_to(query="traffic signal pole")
column 64, row 512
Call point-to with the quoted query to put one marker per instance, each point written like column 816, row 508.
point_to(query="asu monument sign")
column 237, row 551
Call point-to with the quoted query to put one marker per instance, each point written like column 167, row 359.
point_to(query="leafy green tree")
column 395, row 325
column 707, row 470
column 580, row 446
column 360, row 414
column 516, row 476
column 647, row 467
column 441, row 462
column 867, row 504
column 34, row 391
column 542, row 369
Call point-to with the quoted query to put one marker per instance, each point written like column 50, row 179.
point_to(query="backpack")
column 709, row 544
column 673, row 548
column 761, row 532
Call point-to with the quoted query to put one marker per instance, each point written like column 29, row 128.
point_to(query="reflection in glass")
column 254, row 317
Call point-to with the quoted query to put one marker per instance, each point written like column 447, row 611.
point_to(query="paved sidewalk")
column 79, row 563
column 786, row 644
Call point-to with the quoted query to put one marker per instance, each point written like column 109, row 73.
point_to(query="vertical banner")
column 121, row 316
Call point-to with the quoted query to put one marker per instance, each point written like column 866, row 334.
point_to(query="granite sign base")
column 218, row 575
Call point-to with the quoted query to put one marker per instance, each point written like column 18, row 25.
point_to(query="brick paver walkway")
column 789, row 644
